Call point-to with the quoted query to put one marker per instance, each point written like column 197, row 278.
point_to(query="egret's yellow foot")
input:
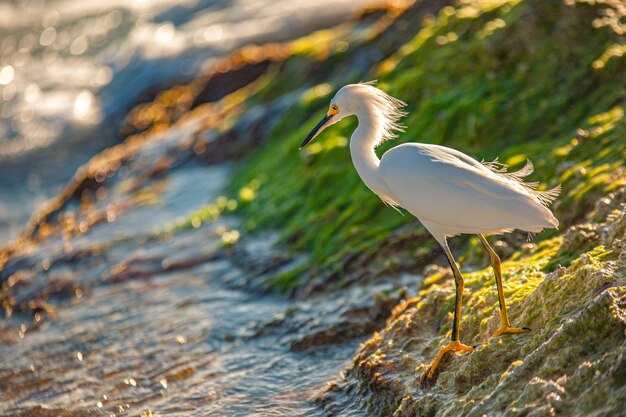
column 427, row 378
column 505, row 327
column 509, row 330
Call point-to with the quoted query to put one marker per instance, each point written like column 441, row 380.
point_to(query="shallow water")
column 176, row 344
column 144, row 321
column 164, row 324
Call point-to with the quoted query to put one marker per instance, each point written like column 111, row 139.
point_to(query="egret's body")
column 448, row 191
column 463, row 195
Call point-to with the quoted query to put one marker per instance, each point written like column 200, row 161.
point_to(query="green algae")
column 203, row 215
column 568, row 364
column 500, row 78
column 515, row 79
column 572, row 330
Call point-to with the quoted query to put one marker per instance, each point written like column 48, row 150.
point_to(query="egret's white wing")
column 446, row 187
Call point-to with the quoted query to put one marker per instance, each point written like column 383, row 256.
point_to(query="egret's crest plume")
column 388, row 109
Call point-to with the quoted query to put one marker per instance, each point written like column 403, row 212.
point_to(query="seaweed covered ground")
column 507, row 79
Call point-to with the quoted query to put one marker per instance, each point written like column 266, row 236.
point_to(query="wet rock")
column 613, row 233
column 262, row 261
column 577, row 239
column 613, row 202
column 403, row 252
column 40, row 411
column 336, row 317
column 353, row 319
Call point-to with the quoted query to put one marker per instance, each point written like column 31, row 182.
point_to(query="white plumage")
column 449, row 192
column 452, row 193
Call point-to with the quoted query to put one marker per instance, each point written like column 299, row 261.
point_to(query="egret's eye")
column 334, row 109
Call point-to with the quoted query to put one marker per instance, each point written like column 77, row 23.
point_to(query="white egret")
column 448, row 191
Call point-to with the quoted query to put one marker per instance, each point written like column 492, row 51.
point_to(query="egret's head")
column 360, row 99
column 336, row 112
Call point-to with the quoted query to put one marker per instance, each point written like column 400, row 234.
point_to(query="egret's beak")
column 317, row 129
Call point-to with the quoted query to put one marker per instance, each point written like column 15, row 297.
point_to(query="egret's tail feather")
column 544, row 197
column 548, row 196
column 500, row 168
column 524, row 172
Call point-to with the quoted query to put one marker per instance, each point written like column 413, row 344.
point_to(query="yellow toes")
column 427, row 378
column 461, row 347
column 509, row 330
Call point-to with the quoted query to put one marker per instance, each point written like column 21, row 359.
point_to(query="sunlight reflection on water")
column 71, row 69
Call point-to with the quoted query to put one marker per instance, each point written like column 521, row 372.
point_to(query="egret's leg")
column 505, row 325
column 455, row 345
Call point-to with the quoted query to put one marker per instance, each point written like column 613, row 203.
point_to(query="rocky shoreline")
column 208, row 195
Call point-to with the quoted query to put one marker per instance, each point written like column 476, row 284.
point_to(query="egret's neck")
column 364, row 158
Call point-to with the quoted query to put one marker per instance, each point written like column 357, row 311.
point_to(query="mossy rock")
column 571, row 363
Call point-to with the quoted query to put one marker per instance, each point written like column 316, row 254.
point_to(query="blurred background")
column 70, row 71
